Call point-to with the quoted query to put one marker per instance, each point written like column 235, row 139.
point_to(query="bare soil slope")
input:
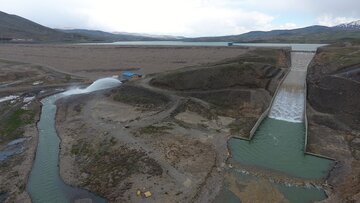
column 334, row 116
column 99, row 61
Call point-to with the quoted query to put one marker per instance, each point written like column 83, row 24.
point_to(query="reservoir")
column 295, row 47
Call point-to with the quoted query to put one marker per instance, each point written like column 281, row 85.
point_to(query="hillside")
column 101, row 36
column 16, row 28
column 353, row 25
column 312, row 34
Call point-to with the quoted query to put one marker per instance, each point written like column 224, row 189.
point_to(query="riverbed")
column 45, row 183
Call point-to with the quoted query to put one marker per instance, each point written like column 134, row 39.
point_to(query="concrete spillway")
column 289, row 104
column 277, row 146
column 278, row 143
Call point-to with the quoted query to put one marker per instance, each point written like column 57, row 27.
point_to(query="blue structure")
column 130, row 75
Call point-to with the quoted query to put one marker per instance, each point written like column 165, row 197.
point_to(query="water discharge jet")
column 100, row 84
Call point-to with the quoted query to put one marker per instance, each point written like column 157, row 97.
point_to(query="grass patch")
column 341, row 56
column 11, row 126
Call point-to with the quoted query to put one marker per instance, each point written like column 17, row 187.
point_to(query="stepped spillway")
column 277, row 147
column 289, row 103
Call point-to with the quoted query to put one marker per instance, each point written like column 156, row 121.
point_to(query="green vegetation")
column 11, row 126
column 341, row 56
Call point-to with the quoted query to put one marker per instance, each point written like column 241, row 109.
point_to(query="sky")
column 190, row 18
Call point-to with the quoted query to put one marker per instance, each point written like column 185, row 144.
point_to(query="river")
column 45, row 184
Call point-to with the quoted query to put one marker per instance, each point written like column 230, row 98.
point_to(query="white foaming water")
column 289, row 102
column 288, row 106
column 100, row 84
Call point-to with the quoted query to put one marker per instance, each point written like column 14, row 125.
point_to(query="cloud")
column 184, row 17
column 329, row 20
column 188, row 17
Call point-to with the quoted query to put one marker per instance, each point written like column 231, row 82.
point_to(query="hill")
column 352, row 26
column 101, row 36
column 15, row 28
column 312, row 34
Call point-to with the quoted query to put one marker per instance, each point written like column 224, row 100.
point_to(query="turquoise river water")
column 45, row 184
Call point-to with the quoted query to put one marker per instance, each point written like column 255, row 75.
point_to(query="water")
column 100, row 84
column 295, row 47
column 12, row 148
column 160, row 43
column 278, row 145
column 289, row 103
column 45, row 185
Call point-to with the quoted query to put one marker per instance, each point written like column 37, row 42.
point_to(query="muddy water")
column 45, row 184
column 278, row 144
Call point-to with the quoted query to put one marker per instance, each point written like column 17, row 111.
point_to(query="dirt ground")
column 171, row 144
column 165, row 134
column 99, row 61
column 177, row 140
column 26, row 83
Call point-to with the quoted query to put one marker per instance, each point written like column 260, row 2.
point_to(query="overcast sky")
column 184, row 17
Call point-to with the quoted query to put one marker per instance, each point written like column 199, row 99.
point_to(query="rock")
column 356, row 154
column 187, row 182
column 147, row 194
column 333, row 88
column 138, row 193
column 355, row 143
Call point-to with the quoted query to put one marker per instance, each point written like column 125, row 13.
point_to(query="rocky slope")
column 255, row 69
column 334, row 116
column 239, row 87
column 334, row 83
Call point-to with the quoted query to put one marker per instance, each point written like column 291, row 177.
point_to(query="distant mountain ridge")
column 164, row 37
column 311, row 34
column 355, row 25
column 14, row 28
column 101, row 36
